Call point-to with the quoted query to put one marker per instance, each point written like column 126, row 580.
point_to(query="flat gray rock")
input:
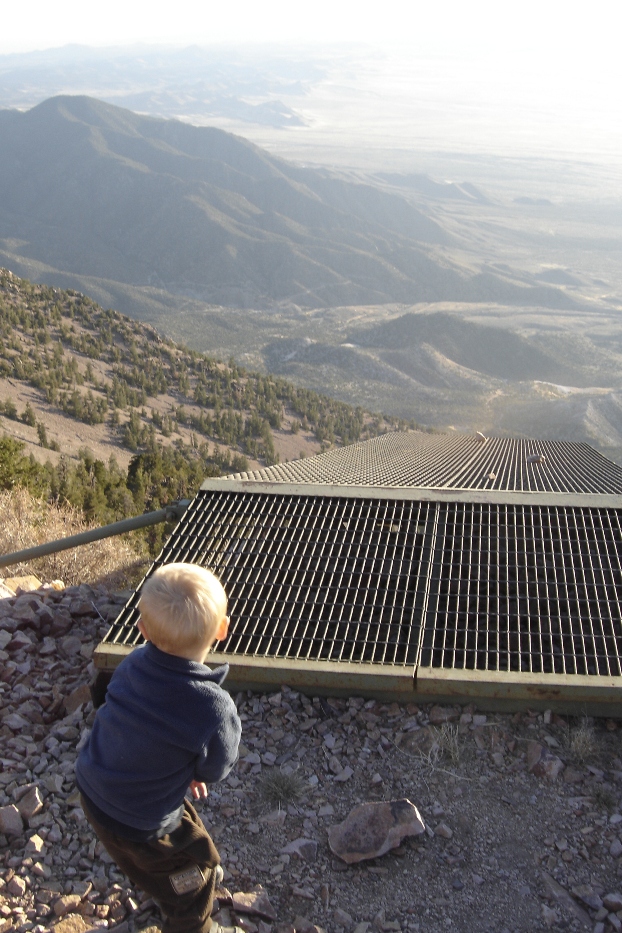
column 371, row 829
column 303, row 848
column 254, row 902
column 11, row 821
column 566, row 901
column 30, row 804
column 613, row 901
column 15, row 722
column 35, row 846
column 302, row 925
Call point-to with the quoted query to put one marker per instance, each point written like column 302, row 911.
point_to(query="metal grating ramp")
column 455, row 461
column 407, row 593
column 528, row 589
column 310, row 578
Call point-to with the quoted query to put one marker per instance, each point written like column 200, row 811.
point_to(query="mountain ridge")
column 94, row 190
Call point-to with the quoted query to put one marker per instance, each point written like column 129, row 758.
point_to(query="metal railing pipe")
column 167, row 514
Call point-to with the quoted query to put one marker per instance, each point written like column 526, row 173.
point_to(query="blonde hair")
column 181, row 606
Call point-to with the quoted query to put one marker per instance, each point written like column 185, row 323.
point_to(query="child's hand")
column 198, row 790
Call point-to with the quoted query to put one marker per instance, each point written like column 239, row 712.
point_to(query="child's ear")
column 223, row 629
column 141, row 628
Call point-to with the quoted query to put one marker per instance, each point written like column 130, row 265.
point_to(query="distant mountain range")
column 457, row 370
column 238, row 84
column 141, row 213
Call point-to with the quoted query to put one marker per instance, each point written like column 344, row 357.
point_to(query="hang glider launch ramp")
column 455, row 569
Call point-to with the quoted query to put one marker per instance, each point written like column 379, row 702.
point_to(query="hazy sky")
column 563, row 31
column 530, row 74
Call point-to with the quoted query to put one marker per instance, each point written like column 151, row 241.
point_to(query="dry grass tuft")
column 448, row 741
column 26, row 521
column 278, row 788
column 604, row 799
column 582, row 741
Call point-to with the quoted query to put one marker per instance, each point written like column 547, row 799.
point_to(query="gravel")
column 505, row 849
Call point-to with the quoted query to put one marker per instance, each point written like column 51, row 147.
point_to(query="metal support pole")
column 167, row 514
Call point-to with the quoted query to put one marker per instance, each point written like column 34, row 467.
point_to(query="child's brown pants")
column 176, row 870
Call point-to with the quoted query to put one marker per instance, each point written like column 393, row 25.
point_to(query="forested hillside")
column 176, row 415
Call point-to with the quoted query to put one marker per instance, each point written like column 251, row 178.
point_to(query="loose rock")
column 11, row 821
column 30, row 804
column 371, row 829
column 541, row 762
column 613, row 901
column 254, row 902
column 303, row 848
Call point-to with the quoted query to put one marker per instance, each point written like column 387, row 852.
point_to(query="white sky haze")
column 562, row 29
column 549, row 69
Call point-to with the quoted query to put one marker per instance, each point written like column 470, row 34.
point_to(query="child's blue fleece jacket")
column 166, row 722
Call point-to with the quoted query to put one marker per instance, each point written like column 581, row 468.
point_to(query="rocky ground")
column 523, row 812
